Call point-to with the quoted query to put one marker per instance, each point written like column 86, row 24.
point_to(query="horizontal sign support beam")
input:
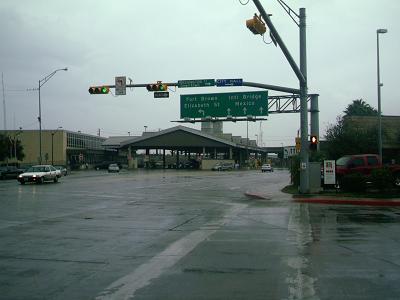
column 220, row 120
column 245, row 83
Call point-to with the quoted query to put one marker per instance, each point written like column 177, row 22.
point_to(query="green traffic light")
column 104, row 90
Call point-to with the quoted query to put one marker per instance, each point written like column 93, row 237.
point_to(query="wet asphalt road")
column 190, row 235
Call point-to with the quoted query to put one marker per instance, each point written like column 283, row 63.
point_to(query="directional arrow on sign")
column 228, row 111
column 244, row 110
column 261, row 110
column 201, row 112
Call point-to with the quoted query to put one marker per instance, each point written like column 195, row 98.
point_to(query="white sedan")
column 266, row 168
column 39, row 174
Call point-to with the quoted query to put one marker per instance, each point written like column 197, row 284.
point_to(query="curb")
column 338, row 201
column 252, row 195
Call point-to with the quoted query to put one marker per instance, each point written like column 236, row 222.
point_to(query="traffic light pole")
column 302, row 77
column 304, row 151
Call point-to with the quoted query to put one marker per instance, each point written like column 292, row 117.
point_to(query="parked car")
column 267, row 168
column 39, row 174
column 222, row 167
column 113, row 168
column 63, row 170
column 9, row 172
column 363, row 164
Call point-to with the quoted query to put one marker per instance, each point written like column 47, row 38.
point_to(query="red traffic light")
column 313, row 143
column 99, row 90
column 314, row 139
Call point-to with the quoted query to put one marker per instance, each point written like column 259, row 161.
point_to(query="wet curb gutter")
column 368, row 202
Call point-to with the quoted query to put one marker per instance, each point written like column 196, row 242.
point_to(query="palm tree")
column 360, row 108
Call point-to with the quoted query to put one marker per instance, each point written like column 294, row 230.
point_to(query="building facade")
column 59, row 147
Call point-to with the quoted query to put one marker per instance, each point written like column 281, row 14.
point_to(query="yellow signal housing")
column 256, row 25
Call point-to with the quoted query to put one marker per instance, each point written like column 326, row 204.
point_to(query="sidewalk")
column 333, row 199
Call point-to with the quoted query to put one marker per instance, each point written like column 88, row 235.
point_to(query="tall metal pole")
column 40, row 129
column 247, row 143
column 301, row 74
column 52, row 148
column 42, row 82
column 379, row 93
column 4, row 104
column 304, row 154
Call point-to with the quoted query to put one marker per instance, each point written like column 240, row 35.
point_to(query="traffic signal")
column 256, row 25
column 157, row 87
column 298, row 144
column 99, row 90
column 313, row 142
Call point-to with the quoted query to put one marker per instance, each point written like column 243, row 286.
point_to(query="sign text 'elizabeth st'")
column 239, row 104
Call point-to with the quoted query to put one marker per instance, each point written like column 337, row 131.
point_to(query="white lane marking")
column 125, row 287
column 300, row 285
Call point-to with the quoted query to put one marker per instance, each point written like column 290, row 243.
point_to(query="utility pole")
column 301, row 74
column 4, row 104
column 304, row 154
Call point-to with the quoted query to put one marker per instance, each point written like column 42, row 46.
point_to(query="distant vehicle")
column 39, row 174
column 267, row 168
column 191, row 164
column 363, row 164
column 113, row 168
column 222, row 167
column 63, row 170
column 9, row 172
column 104, row 165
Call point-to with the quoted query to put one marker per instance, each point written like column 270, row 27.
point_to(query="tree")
column 8, row 147
column 360, row 108
column 343, row 138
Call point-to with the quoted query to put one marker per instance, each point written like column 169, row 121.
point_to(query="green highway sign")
column 195, row 83
column 240, row 104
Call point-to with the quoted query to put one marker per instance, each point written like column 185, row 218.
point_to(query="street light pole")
column 378, row 31
column 41, row 83
column 52, row 145
column 301, row 74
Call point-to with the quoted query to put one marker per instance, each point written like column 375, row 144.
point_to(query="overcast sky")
column 187, row 39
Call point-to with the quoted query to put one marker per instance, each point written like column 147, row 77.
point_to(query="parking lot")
column 190, row 235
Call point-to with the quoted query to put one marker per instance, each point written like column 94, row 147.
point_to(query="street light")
column 52, row 145
column 41, row 83
column 379, row 31
column 15, row 142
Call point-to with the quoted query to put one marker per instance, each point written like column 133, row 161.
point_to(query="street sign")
column 195, row 83
column 329, row 172
column 161, row 94
column 120, row 85
column 229, row 82
column 225, row 105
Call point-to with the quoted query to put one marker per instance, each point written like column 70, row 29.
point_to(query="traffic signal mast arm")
column 245, row 83
column 280, row 42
